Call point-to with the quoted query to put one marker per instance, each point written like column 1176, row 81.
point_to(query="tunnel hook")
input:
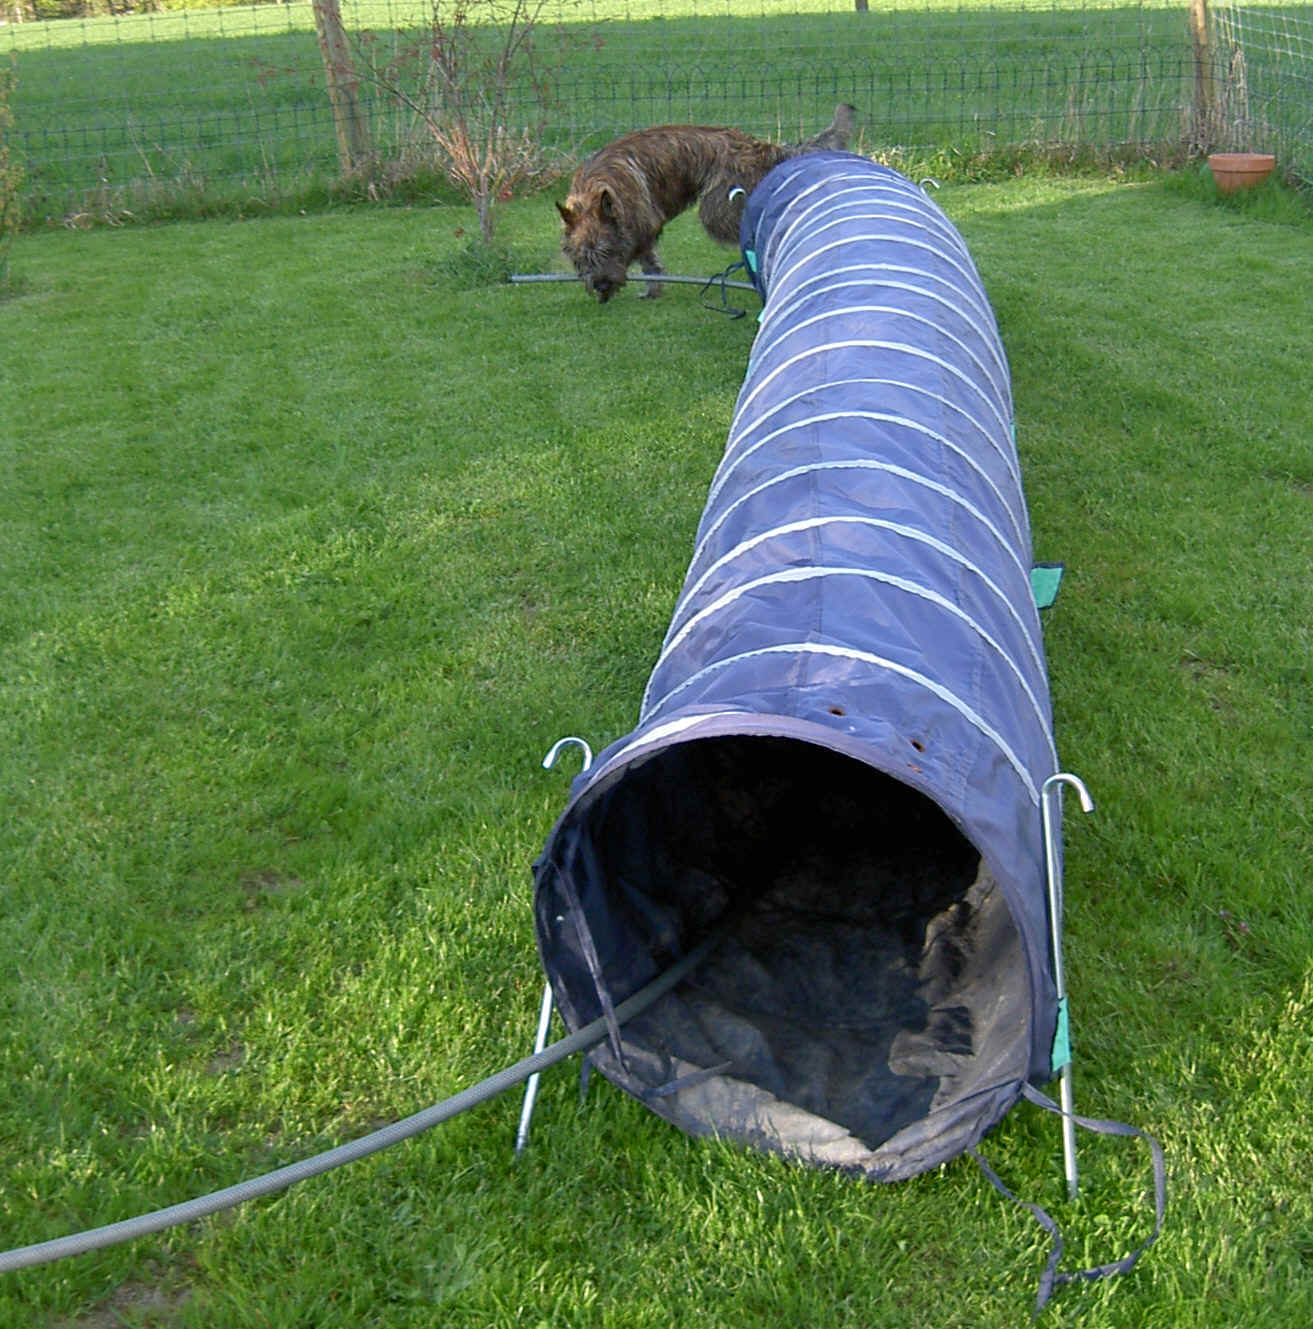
column 545, row 1009
column 1051, row 798
column 560, row 745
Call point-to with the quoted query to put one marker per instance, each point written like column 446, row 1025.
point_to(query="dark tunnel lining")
column 872, row 973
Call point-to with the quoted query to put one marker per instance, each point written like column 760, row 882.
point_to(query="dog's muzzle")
column 602, row 287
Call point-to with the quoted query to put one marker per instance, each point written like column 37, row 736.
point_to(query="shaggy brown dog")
column 623, row 195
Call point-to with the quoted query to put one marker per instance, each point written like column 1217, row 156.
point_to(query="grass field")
column 131, row 114
column 313, row 538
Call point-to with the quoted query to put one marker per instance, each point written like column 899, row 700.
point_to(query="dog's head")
column 592, row 241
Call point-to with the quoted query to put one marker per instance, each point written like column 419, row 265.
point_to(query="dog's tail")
column 838, row 134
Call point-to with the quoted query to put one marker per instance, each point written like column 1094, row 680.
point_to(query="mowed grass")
column 313, row 538
column 153, row 114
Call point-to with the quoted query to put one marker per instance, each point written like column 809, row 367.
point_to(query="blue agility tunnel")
column 842, row 751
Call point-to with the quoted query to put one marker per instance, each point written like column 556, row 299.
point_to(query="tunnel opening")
column 870, row 987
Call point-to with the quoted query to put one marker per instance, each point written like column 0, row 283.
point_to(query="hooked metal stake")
column 545, row 1010
column 1051, row 794
column 560, row 745
column 531, row 1088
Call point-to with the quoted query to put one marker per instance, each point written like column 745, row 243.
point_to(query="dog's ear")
column 567, row 216
column 606, row 206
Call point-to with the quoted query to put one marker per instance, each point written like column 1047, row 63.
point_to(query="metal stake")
column 661, row 278
column 1051, row 794
column 545, row 1010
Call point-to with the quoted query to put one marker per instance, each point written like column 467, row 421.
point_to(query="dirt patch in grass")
column 258, row 885
column 141, row 1305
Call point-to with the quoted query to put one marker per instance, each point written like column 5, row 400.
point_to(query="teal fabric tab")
column 1061, row 1039
column 750, row 257
column 1045, row 578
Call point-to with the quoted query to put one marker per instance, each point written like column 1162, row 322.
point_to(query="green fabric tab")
column 1061, row 1038
column 1045, row 578
column 750, row 257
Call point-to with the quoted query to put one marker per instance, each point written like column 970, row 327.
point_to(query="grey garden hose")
column 591, row 1034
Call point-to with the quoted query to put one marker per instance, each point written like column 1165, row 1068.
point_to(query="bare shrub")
column 476, row 95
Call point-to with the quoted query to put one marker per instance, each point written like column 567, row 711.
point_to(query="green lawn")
column 313, row 539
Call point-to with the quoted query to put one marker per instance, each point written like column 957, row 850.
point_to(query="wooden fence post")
column 352, row 140
column 1204, row 126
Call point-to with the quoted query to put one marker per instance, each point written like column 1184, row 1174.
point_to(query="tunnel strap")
column 1061, row 1054
column 1052, row 1277
column 689, row 1081
column 1045, row 578
column 594, row 963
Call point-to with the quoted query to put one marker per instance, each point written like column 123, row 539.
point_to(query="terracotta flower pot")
column 1240, row 170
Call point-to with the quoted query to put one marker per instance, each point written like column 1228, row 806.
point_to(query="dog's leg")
column 651, row 266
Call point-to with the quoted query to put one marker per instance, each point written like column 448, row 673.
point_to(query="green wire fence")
column 110, row 108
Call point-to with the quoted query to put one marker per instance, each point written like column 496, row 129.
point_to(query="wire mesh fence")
column 235, row 100
column 1264, row 82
